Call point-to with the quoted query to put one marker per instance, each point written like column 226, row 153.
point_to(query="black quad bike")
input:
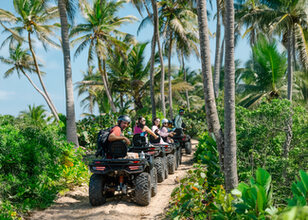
column 141, row 143
column 183, row 139
column 114, row 173
column 174, row 155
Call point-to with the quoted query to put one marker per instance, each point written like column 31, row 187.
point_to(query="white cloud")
column 4, row 95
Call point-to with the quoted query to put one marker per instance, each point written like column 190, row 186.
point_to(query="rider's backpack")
column 102, row 142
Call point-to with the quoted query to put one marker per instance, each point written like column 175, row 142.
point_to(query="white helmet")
column 164, row 121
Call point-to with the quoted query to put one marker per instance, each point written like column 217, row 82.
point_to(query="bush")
column 35, row 164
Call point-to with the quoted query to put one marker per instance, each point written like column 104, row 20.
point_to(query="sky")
column 17, row 93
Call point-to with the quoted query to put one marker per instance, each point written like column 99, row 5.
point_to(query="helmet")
column 124, row 118
column 181, row 110
column 164, row 121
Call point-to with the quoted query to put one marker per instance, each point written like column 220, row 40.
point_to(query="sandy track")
column 75, row 204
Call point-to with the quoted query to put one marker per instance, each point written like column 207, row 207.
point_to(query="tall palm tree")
column 230, row 165
column 210, row 104
column 22, row 62
column 34, row 18
column 178, row 23
column 71, row 129
column 157, row 39
column 99, row 33
column 217, row 49
column 140, row 4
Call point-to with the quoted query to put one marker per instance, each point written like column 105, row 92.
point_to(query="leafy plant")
column 256, row 199
column 300, row 190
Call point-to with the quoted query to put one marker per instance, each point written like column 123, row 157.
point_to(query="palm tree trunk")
column 169, row 76
column 156, row 32
column 152, row 77
column 185, row 79
column 290, row 65
column 39, row 74
column 71, row 129
column 42, row 93
column 113, row 108
column 294, row 48
column 230, row 165
column 217, row 52
column 210, row 104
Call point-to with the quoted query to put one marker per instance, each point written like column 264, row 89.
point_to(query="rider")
column 164, row 131
column 142, row 128
column 116, row 131
column 178, row 121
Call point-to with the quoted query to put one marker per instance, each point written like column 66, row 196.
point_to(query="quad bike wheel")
column 154, row 182
column 96, row 190
column 143, row 189
column 188, row 147
column 158, row 163
column 171, row 160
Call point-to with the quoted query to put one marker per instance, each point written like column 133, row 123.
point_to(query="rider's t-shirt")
column 116, row 131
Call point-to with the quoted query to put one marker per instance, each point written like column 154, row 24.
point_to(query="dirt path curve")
column 75, row 204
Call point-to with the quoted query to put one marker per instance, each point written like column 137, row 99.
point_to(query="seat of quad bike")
column 117, row 149
column 153, row 140
column 178, row 133
column 139, row 140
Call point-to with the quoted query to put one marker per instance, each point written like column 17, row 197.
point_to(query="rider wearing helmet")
column 164, row 131
column 178, row 119
column 116, row 131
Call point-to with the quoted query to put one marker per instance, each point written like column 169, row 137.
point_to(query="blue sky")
column 17, row 93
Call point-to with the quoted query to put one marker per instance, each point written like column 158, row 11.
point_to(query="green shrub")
column 35, row 164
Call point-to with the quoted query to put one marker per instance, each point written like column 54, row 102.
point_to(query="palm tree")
column 34, row 16
column 210, row 104
column 230, row 165
column 157, row 39
column 264, row 72
column 140, row 4
column 177, row 25
column 71, row 130
column 288, row 19
column 99, row 33
column 130, row 74
column 217, row 64
column 21, row 61
column 36, row 114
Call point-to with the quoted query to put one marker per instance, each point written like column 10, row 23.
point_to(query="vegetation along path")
column 75, row 204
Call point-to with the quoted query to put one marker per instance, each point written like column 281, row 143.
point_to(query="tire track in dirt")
column 75, row 204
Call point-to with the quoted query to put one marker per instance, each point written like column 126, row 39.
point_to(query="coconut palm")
column 130, row 76
column 33, row 18
column 210, row 104
column 66, row 9
column 37, row 114
column 177, row 23
column 99, row 33
column 21, row 62
column 264, row 72
column 287, row 19
column 230, row 165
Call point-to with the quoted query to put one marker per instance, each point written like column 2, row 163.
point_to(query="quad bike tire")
column 158, row 164
column 171, row 161
column 154, row 182
column 166, row 167
column 143, row 189
column 96, row 190
column 188, row 147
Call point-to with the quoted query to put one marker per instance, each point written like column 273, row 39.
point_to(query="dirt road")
column 75, row 204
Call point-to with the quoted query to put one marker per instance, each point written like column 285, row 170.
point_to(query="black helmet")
column 124, row 118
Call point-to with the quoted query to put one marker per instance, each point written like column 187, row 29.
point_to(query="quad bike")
column 115, row 173
column 140, row 143
column 183, row 139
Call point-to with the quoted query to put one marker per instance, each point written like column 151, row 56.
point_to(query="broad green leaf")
column 263, row 178
column 304, row 178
